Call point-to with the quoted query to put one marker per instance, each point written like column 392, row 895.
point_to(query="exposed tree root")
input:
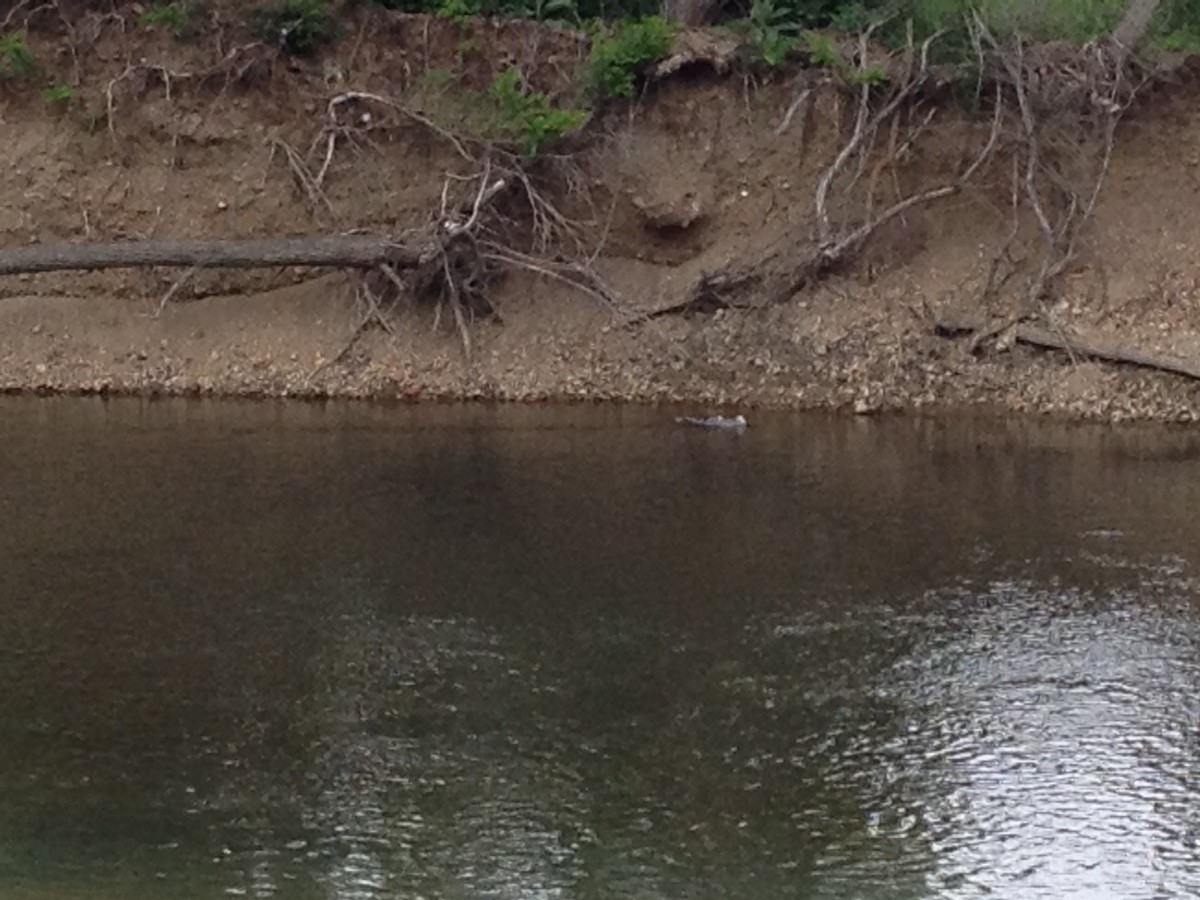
column 1054, row 113
column 448, row 263
column 233, row 66
column 1068, row 109
column 370, row 314
column 461, row 248
column 834, row 236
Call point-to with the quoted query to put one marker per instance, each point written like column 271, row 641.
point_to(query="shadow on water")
column 364, row 652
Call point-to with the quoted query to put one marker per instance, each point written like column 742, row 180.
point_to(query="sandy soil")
column 686, row 179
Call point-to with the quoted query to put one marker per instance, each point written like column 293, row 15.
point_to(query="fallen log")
column 1034, row 336
column 359, row 251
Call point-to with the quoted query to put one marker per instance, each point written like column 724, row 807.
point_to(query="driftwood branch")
column 1055, row 340
column 351, row 251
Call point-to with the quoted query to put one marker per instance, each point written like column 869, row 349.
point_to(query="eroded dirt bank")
column 167, row 140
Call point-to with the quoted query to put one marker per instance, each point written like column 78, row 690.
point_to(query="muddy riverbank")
column 695, row 172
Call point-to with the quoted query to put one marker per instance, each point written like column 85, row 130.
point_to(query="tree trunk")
column 1132, row 28
column 357, row 251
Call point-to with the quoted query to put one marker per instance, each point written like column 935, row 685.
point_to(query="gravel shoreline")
column 921, row 374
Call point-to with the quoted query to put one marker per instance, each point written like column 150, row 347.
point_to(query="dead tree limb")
column 360, row 251
column 1055, row 340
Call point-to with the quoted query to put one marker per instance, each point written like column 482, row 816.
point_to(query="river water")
column 305, row 651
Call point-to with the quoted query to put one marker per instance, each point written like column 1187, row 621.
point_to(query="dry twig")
column 174, row 289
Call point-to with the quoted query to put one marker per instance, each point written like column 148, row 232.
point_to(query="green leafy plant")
column 869, row 75
column 774, row 28
column 619, row 56
column 299, row 26
column 412, row 6
column 552, row 12
column 530, row 115
column 1180, row 41
column 16, row 59
column 58, row 95
column 1065, row 20
column 823, row 52
column 770, row 30
column 178, row 18
column 458, row 10
column 851, row 17
column 774, row 46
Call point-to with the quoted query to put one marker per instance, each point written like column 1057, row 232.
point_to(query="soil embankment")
column 172, row 140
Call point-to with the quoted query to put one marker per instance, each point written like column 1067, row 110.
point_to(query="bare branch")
column 799, row 104
column 179, row 283
column 360, row 96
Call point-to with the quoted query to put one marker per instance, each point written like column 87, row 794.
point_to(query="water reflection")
column 1078, row 776
column 367, row 653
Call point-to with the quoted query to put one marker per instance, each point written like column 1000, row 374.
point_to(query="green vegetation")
column 563, row 13
column 58, row 95
column 300, row 27
column 623, row 52
column 554, row 12
column 771, row 32
column 773, row 27
column 1040, row 20
column 869, row 75
column 507, row 113
column 1181, row 40
column 457, row 10
column 822, row 52
column 16, row 59
column 181, row 19
column 626, row 40
column 1037, row 19
column 850, row 17
column 530, row 115
column 1070, row 20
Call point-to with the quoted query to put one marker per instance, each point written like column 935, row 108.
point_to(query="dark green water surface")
column 373, row 652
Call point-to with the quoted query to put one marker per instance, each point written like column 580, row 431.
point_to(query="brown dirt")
column 675, row 185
